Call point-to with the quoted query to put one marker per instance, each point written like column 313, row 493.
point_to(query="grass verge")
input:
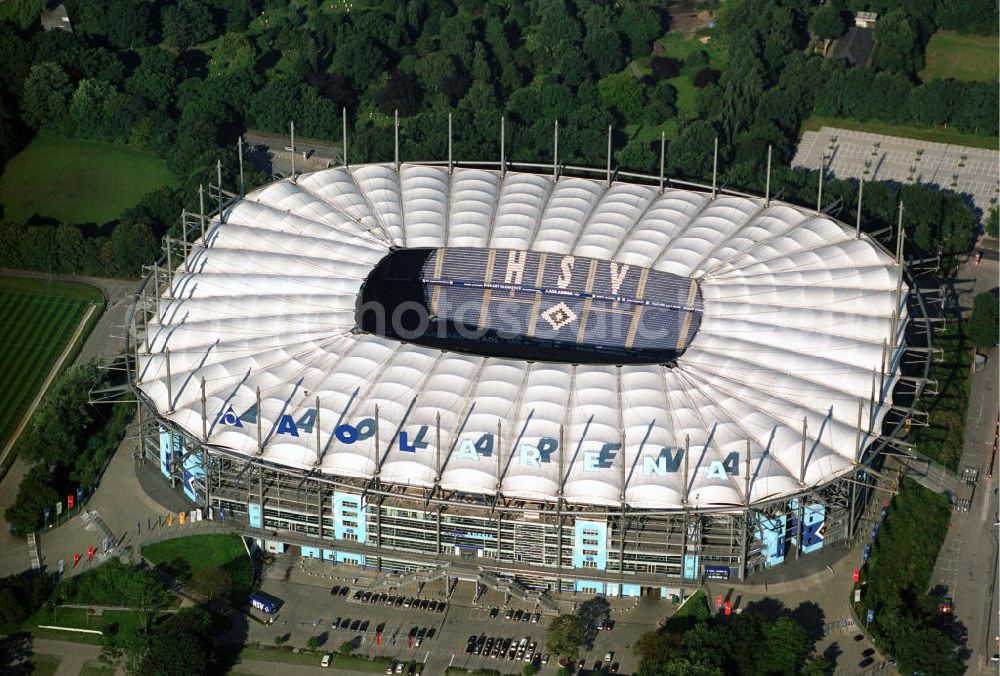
column 930, row 134
column 76, row 181
column 944, row 437
column 44, row 665
column 355, row 663
column 94, row 668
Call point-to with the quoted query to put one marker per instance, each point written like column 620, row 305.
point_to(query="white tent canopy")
column 796, row 319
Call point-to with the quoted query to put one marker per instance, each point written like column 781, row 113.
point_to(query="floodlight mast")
column 857, row 222
column 608, row 171
column 503, row 159
column 395, row 129
column 767, row 184
column 663, row 153
column 715, row 165
column 819, row 196
column 239, row 149
column 291, row 127
column 555, row 151
column 344, row 137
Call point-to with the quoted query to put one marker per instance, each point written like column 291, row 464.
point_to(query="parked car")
column 441, row 606
column 344, row 590
column 509, row 614
column 517, row 615
column 355, row 624
column 345, row 623
column 545, row 658
column 335, row 590
column 470, row 645
column 609, row 625
column 364, row 626
column 494, row 612
column 535, row 617
column 608, row 656
column 390, row 667
column 614, row 668
column 325, row 662
column 336, row 623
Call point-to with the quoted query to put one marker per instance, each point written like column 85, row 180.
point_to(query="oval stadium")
column 566, row 380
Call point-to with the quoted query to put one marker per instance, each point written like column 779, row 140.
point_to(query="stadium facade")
column 579, row 383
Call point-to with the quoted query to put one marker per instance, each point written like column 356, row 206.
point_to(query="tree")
column 346, row 648
column 992, row 225
column 984, row 321
column 642, row 24
column 624, row 94
column 180, row 645
column 186, row 24
column 234, row 52
column 828, row 23
column 529, row 670
column 690, row 154
column 46, row 91
column 664, row 67
column 135, row 246
column 313, row 642
column 211, row 584
column 662, row 103
column 897, row 43
column 566, row 634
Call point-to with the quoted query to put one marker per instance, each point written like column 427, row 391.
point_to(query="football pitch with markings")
column 37, row 318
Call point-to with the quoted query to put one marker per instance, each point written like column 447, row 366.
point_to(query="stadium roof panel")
column 795, row 313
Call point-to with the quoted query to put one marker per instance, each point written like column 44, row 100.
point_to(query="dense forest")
column 185, row 79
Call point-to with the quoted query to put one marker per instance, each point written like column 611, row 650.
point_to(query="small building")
column 855, row 47
column 865, row 19
column 56, row 19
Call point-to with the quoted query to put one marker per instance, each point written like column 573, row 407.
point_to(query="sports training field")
column 37, row 318
column 77, row 181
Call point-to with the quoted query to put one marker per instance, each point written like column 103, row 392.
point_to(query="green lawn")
column 37, row 318
column 962, row 57
column 676, row 46
column 183, row 556
column 932, row 134
column 78, row 181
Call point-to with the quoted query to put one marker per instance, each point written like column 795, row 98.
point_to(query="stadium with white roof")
column 578, row 382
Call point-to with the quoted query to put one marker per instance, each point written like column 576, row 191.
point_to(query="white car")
column 325, row 662
column 608, row 656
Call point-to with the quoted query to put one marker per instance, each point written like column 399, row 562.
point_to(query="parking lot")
column 425, row 625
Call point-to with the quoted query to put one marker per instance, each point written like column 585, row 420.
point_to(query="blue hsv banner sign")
column 263, row 603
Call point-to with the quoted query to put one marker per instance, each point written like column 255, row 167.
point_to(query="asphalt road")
column 967, row 564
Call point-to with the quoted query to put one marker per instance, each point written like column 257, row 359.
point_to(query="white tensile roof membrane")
column 796, row 311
